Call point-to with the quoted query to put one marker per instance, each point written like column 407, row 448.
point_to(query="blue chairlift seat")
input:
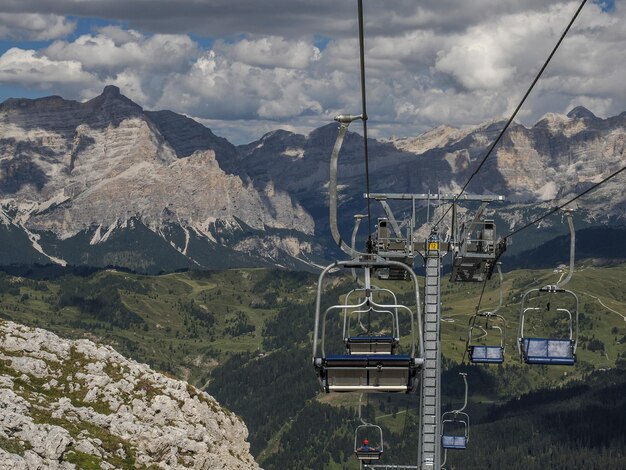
column 453, row 442
column 368, row 372
column 383, row 344
column 548, row 351
column 486, row 354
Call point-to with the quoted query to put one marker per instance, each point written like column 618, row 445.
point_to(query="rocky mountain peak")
column 111, row 91
column 438, row 137
column 580, row 112
column 107, row 411
column 112, row 105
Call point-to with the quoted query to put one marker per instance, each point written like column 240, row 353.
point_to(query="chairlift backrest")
column 362, row 309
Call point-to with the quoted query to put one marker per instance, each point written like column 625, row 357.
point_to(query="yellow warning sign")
column 432, row 246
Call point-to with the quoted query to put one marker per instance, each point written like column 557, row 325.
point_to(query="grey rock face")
column 556, row 158
column 63, row 402
column 68, row 168
column 73, row 176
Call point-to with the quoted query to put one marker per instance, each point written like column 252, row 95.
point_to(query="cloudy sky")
column 245, row 67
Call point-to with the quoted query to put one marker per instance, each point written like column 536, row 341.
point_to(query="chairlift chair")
column 368, row 442
column 370, row 362
column 549, row 351
column 455, row 430
column 486, row 354
column 552, row 351
column 455, row 424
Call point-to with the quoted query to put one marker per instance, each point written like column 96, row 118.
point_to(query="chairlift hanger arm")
column 360, row 414
column 357, row 223
column 344, row 121
column 500, row 303
column 572, row 249
column 493, row 312
column 464, row 375
column 392, row 219
column 471, row 225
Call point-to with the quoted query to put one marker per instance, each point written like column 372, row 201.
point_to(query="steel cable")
column 364, row 114
column 519, row 106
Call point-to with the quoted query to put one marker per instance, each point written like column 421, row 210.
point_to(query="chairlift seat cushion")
column 368, row 360
column 368, row 454
column 454, row 442
column 371, row 339
column 486, row 354
column 548, row 351
column 371, row 344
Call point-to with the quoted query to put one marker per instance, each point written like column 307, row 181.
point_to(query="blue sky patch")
column 606, row 5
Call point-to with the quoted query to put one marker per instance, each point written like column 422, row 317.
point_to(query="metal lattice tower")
column 430, row 423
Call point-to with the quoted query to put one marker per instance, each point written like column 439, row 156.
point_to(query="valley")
column 244, row 336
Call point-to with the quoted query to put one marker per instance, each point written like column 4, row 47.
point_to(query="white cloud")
column 113, row 50
column 19, row 66
column 34, row 26
column 218, row 86
column 492, row 55
column 428, row 62
column 271, row 51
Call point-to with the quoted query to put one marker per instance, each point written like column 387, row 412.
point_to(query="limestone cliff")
column 75, row 404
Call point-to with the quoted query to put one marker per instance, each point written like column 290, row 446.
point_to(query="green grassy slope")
column 184, row 323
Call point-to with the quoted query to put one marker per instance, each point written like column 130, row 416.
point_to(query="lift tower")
column 430, row 405
column 483, row 256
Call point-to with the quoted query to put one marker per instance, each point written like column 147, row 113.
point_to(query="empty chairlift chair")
column 455, row 430
column 370, row 362
column 486, row 354
column 455, row 425
column 480, row 353
column 552, row 350
column 368, row 442
column 549, row 350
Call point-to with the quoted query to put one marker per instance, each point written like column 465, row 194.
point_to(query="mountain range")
column 104, row 182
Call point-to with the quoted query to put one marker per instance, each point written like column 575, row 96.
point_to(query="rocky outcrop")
column 75, row 404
